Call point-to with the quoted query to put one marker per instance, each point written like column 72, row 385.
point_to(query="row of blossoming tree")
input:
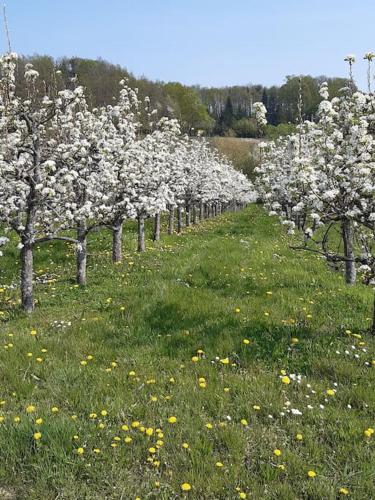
column 321, row 180
column 66, row 169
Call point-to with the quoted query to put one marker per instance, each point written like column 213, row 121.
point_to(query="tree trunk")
column 141, row 234
column 195, row 215
column 179, row 219
column 27, row 278
column 81, row 254
column 347, row 236
column 187, row 215
column 171, row 221
column 117, row 242
column 201, row 211
column 156, row 235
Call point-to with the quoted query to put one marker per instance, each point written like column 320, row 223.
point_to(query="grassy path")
column 201, row 328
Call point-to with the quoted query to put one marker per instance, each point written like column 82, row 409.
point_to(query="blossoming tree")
column 321, row 180
column 32, row 182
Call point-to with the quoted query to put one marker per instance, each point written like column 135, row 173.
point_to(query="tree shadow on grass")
column 180, row 333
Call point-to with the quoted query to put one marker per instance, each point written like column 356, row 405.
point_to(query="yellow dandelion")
column 224, row 361
column 344, row 491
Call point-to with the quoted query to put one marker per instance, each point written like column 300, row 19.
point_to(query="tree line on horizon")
column 221, row 111
column 232, row 107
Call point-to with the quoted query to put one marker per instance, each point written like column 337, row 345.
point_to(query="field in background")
column 239, row 151
column 218, row 365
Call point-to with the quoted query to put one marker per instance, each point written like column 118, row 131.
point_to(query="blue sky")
column 209, row 42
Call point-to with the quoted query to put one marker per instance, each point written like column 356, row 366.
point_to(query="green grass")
column 150, row 315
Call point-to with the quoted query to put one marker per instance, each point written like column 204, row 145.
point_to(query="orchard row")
column 66, row 169
column 321, row 180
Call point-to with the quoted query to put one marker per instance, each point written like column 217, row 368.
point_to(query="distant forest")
column 224, row 111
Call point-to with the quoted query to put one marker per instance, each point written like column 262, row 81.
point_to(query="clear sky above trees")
column 210, row 42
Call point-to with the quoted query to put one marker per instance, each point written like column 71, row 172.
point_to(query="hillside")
column 226, row 111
